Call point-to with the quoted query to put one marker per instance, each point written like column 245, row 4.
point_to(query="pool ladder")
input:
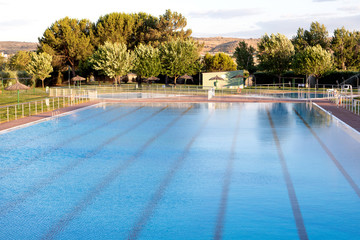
column 55, row 113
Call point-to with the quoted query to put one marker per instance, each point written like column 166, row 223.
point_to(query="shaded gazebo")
column 151, row 79
column 17, row 87
column 186, row 77
column 78, row 78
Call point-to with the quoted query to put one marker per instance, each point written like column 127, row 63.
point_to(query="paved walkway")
column 344, row 115
column 34, row 118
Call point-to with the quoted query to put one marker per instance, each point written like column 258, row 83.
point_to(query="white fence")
column 348, row 103
column 344, row 99
column 70, row 92
column 16, row 111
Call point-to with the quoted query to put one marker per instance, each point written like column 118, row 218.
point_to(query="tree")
column 69, row 41
column 133, row 29
column 244, row 55
column 218, row 63
column 345, row 47
column 115, row 27
column 40, row 66
column 169, row 27
column 313, row 61
column 20, row 60
column 113, row 59
column 275, row 53
column 2, row 62
column 317, row 35
column 299, row 40
column 179, row 57
column 147, row 61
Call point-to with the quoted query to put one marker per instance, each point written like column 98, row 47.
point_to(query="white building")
column 2, row 54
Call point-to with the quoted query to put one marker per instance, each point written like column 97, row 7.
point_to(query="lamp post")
column 69, row 75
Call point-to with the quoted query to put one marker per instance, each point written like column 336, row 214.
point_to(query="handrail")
column 11, row 105
column 15, row 111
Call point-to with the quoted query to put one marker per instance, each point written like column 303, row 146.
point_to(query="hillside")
column 222, row 44
column 211, row 45
column 11, row 47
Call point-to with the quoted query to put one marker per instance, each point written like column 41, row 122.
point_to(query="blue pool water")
column 182, row 171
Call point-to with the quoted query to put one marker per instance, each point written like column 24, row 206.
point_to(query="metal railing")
column 71, row 92
column 129, row 91
column 344, row 99
column 16, row 111
column 348, row 103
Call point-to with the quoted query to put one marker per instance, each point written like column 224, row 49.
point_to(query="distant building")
column 227, row 79
column 2, row 54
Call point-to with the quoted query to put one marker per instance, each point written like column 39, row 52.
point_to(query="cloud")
column 289, row 27
column 15, row 23
column 226, row 13
column 349, row 9
column 350, row 23
column 324, row 0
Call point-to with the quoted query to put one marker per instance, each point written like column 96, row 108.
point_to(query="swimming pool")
column 182, row 171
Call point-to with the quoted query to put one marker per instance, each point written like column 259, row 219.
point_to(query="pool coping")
column 347, row 128
column 348, row 118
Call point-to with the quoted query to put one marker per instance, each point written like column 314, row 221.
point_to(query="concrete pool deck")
column 344, row 115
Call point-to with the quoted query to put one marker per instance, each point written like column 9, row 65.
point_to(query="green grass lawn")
column 10, row 97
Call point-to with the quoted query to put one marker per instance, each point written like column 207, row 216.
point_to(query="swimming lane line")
column 289, row 185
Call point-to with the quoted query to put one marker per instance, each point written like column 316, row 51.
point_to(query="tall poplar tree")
column 147, row 61
column 179, row 57
column 275, row 53
column 40, row 66
column 244, row 55
column 313, row 61
column 112, row 59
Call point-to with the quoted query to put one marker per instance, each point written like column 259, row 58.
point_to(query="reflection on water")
column 313, row 115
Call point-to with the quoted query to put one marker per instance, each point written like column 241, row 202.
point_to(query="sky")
column 26, row 21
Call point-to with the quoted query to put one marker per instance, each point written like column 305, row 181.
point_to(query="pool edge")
column 44, row 119
column 349, row 129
